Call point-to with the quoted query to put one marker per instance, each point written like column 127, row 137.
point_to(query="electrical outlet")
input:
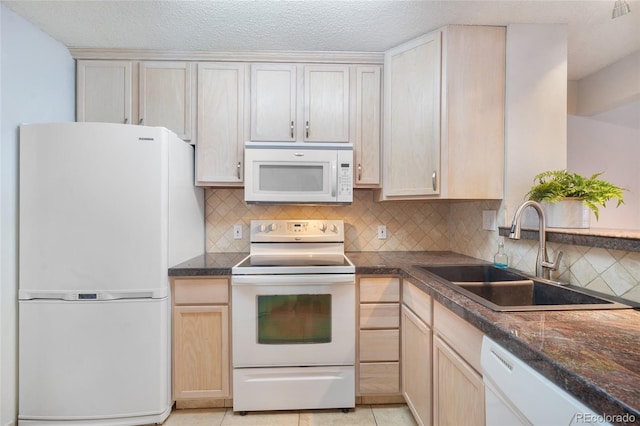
column 489, row 220
column 237, row 232
column 382, row 232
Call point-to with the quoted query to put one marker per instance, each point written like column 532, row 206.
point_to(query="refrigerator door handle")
column 81, row 296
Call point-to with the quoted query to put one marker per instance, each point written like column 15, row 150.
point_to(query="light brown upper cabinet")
column 166, row 96
column 293, row 102
column 222, row 123
column 152, row 93
column 273, row 102
column 444, row 115
column 103, row 91
column 365, row 125
column 412, row 118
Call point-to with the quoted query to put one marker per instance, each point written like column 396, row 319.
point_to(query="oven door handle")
column 292, row 279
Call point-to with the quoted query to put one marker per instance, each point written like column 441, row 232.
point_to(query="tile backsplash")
column 611, row 272
column 411, row 225
column 426, row 225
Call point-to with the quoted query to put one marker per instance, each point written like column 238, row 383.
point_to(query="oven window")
column 282, row 177
column 294, row 319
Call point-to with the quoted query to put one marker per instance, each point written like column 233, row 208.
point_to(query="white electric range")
column 293, row 318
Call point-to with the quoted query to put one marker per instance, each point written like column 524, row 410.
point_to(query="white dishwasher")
column 515, row 394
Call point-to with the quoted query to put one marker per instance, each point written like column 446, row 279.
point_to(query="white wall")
column 610, row 143
column 613, row 86
column 536, row 107
column 37, row 84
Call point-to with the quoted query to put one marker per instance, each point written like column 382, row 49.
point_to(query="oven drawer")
column 293, row 388
column 379, row 345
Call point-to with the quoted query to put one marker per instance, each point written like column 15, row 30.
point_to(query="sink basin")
column 506, row 290
column 474, row 273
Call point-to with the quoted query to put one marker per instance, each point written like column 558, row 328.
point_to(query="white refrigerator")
column 105, row 210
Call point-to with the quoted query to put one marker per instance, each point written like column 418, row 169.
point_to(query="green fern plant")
column 556, row 185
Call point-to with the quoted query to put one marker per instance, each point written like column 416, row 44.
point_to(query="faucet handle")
column 555, row 264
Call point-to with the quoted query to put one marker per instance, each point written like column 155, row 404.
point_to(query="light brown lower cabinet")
column 378, row 354
column 379, row 378
column 458, row 390
column 416, row 363
column 201, row 367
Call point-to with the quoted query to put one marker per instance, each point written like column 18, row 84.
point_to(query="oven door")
column 293, row 320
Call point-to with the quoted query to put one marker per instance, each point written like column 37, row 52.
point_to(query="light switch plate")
column 237, row 232
column 489, row 220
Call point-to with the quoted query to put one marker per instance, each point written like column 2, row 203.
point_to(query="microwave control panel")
column 345, row 176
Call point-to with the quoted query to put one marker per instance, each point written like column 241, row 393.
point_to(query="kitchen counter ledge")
column 594, row 355
column 615, row 239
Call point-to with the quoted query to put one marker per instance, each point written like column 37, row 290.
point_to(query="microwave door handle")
column 334, row 178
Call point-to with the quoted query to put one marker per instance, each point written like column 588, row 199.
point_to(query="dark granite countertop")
column 594, row 355
column 207, row 264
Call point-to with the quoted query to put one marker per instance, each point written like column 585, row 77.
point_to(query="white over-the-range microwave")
column 298, row 173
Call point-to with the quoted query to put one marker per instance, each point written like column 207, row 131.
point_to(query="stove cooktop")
column 294, row 264
column 296, row 247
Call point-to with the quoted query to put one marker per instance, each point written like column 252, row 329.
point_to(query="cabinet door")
column 473, row 126
column 326, row 103
column 416, row 366
column 104, row 91
column 366, row 126
column 273, row 102
column 458, row 389
column 165, row 97
column 221, row 123
column 412, row 118
column 201, row 352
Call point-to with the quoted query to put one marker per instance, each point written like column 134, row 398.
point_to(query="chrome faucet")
column 543, row 266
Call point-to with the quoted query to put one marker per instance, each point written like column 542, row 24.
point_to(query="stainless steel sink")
column 506, row 290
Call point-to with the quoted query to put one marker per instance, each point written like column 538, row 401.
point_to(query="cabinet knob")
column 126, row 120
column 291, row 129
column 359, row 172
column 306, row 126
column 141, row 121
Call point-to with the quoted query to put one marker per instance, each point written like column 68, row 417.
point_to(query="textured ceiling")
column 595, row 40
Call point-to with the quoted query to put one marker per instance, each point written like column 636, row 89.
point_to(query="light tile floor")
column 363, row 415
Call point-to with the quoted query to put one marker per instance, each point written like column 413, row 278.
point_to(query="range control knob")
column 272, row 227
column 323, row 226
column 334, row 228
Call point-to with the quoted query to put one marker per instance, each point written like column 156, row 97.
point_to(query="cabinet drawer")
column 379, row 345
column 379, row 315
column 380, row 378
column 380, row 289
column 200, row 290
column 463, row 338
column 418, row 301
